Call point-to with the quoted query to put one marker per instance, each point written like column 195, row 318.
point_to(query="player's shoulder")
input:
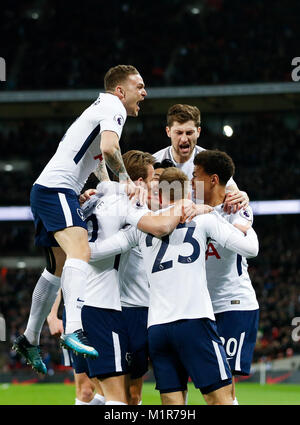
column 245, row 214
column 108, row 102
column 159, row 155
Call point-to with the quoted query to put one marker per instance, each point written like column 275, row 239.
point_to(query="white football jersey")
column 228, row 280
column 175, row 266
column 111, row 213
column 78, row 152
column 133, row 280
column 186, row 167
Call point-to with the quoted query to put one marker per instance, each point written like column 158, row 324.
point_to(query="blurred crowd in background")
column 263, row 147
column 71, row 44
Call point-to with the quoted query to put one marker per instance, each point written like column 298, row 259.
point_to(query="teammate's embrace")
column 60, row 227
column 183, row 337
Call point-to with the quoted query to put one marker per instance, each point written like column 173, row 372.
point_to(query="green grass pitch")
column 61, row 394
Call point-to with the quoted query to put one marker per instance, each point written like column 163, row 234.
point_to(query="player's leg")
column 114, row 389
column 221, row 396
column 107, row 332
column 136, row 319
column 135, row 390
column 74, row 242
column 170, row 375
column 43, row 297
column 238, row 332
column 177, row 398
column 205, row 359
column 84, row 388
column 99, row 398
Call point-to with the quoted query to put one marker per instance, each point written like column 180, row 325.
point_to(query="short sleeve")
column 112, row 115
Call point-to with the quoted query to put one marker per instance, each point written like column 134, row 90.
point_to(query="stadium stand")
column 214, row 34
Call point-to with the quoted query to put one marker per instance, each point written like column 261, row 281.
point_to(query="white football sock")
column 235, row 402
column 98, row 399
column 73, row 281
column 113, row 403
column 43, row 297
column 80, row 403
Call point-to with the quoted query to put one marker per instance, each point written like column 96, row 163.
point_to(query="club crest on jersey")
column 119, row 119
column 246, row 214
column 80, row 213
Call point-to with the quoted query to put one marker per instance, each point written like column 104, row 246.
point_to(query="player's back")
column 175, row 267
column 228, row 280
column 133, row 280
column 108, row 216
column 78, row 152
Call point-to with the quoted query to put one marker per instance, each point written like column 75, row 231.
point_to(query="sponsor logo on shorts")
column 80, row 213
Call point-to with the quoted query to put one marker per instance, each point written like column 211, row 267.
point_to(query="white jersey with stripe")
column 111, row 213
column 78, row 152
column 186, row 167
column 175, row 266
column 228, row 280
column 134, row 285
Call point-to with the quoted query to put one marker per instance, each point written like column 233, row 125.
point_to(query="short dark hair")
column 165, row 163
column 216, row 162
column 117, row 75
column 183, row 113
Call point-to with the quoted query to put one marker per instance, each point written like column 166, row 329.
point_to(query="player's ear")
column 120, row 92
column 168, row 131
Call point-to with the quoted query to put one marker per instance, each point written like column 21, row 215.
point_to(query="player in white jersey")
column 183, row 129
column 233, row 296
column 180, row 308
column 102, row 317
column 60, row 228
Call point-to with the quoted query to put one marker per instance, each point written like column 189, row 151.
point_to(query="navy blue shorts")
column 54, row 209
column 188, row 348
column 238, row 332
column 77, row 362
column 136, row 319
column 107, row 332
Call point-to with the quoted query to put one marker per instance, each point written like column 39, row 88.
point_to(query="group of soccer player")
column 151, row 267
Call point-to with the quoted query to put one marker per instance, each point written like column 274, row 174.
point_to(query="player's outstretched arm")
column 162, row 223
column 232, row 238
column 116, row 244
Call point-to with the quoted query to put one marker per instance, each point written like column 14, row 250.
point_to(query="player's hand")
column 55, row 325
column 195, row 209
column 183, row 208
column 243, row 227
column 136, row 192
column 235, row 200
column 85, row 196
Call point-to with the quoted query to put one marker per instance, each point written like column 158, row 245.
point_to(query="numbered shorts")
column 238, row 332
column 54, row 209
column 77, row 362
column 136, row 319
column 188, row 348
column 106, row 331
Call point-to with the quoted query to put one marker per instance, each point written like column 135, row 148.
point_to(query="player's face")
column 183, row 138
column 201, row 183
column 134, row 93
